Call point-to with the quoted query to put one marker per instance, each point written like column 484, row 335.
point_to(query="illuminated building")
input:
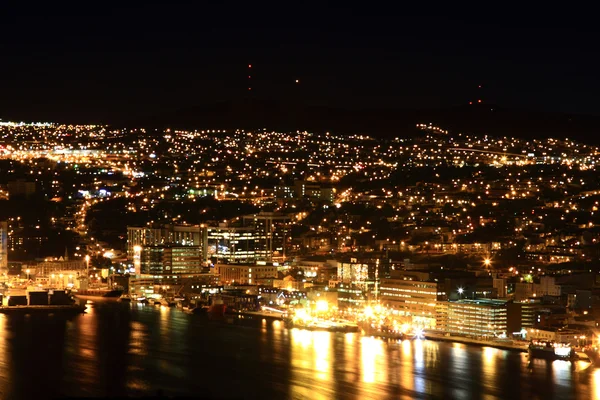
column 233, row 243
column 477, row 318
column 314, row 191
column 411, row 298
column 185, row 235
column 274, row 226
column 168, row 259
column 350, row 296
column 262, row 238
column 361, row 275
column 283, row 192
column 245, row 274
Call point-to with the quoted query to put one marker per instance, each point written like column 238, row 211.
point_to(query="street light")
column 461, row 291
column 28, row 271
column 487, row 262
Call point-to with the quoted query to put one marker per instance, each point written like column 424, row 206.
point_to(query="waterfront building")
column 350, row 296
column 414, row 299
column 359, row 274
column 50, row 266
column 477, row 318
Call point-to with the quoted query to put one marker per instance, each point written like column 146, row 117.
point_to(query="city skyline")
column 284, row 201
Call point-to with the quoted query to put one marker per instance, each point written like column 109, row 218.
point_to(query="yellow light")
column 322, row 306
column 368, row 311
column 302, row 315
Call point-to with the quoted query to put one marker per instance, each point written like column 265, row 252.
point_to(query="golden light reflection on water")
column 406, row 372
column 371, row 348
column 310, row 346
column 561, row 371
column 322, row 349
column 86, row 345
column 137, row 339
column 5, row 370
column 489, row 356
column 596, row 384
column 418, row 348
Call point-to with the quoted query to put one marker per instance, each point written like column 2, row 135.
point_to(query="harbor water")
column 134, row 350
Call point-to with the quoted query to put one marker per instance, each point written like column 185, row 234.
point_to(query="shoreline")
column 429, row 336
column 477, row 342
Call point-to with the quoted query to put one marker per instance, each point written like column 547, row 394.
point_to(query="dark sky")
column 101, row 62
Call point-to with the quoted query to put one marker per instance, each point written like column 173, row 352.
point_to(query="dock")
column 50, row 309
column 258, row 314
column 521, row 347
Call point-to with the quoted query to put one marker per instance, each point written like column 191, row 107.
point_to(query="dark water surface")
column 118, row 350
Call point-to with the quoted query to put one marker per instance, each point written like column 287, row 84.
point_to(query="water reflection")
column 596, row 383
column 117, row 351
column 371, row 351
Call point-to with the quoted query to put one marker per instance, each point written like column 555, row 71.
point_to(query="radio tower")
column 249, row 77
column 478, row 97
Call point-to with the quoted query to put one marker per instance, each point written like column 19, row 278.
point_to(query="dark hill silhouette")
column 478, row 119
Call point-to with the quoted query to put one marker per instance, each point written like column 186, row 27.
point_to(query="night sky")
column 101, row 62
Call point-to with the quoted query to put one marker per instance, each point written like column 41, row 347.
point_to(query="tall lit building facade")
column 477, row 318
column 416, row 300
column 272, row 228
column 166, row 259
column 185, row 235
column 262, row 237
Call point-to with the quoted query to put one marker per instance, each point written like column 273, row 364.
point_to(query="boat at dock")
column 125, row 298
column 552, row 351
column 388, row 332
column 329, row 326
column 99, row 294
column 71, row 309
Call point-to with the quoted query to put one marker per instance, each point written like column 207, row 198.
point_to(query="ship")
column 383, row 331
column 124, row 298
column 551, row 351
column 99, row 294
column 329, row 326
column 49, row 302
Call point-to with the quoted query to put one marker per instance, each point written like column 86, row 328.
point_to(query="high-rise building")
column 184, row 235
column 168, row 259
column 262, row 237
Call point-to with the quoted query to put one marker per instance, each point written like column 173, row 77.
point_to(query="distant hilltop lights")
column 38, row 124
column 431, row 127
